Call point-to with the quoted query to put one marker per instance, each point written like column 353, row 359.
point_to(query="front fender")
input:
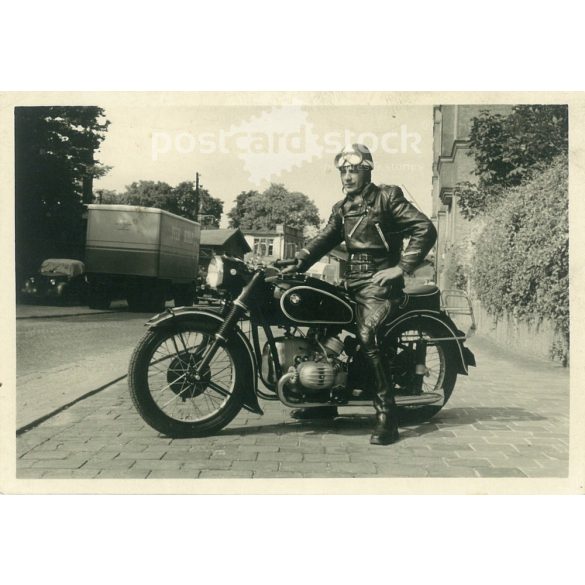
column 449, row 332
column 170, row 317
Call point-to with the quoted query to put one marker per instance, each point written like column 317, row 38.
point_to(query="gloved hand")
column 293, row 267
column 300, row 265
column 383, row 277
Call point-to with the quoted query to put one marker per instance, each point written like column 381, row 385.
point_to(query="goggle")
column 354, row 160
column 354, row 168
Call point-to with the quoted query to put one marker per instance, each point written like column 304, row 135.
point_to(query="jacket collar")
column 369, row 193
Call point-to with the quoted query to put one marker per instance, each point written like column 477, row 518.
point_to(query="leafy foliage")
column 474, row 201
column 276, row 205
column 54, row 170
column 180, row 200
column 508, row 150
column 521, row 263
column 522, row 258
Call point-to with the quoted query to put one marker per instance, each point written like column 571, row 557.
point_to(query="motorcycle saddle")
column 421, row 297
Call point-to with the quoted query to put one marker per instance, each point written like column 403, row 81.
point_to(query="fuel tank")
column 304, row 300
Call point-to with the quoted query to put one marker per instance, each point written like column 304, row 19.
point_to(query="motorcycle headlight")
column 215, row 272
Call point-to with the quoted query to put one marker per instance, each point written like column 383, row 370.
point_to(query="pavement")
column 508, row 419
column 38, row 311
column 48, row 388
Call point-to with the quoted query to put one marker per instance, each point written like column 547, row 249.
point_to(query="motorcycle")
column 196, row 368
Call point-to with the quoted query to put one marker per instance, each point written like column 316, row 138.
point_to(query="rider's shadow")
column 489, row 418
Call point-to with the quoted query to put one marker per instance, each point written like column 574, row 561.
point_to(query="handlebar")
column 284, row 263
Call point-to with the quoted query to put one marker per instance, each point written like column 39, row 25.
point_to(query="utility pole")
column 197, row 200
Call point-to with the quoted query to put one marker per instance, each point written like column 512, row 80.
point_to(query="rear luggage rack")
column 456, row 302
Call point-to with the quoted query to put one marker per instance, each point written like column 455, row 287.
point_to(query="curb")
column 35, row 423
column 60, row 315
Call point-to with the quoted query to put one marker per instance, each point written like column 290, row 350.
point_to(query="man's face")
column 353, row 180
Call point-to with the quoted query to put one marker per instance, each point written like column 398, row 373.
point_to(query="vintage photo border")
column 575, row 483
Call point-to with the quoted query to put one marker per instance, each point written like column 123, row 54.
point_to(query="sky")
column 238, row 148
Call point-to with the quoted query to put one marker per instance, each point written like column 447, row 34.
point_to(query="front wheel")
column 165, row 391
column 423, row 369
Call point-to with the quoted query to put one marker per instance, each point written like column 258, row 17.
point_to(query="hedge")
column 521, row 262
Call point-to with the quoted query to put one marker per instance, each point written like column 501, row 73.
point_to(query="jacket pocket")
column 381, row 233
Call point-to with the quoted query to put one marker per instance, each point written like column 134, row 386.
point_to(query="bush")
column 522, row 258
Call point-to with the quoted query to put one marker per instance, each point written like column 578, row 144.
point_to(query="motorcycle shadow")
column 351, row 424
column 482, row 418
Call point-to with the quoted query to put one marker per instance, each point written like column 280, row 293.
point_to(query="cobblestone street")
column 508, row 419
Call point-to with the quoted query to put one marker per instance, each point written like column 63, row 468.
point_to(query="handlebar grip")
column 283, row 263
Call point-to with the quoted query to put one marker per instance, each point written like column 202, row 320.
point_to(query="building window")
column 264, row 246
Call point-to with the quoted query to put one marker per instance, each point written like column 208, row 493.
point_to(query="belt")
column 354, row 268
column 361, row 262
column 364, row 257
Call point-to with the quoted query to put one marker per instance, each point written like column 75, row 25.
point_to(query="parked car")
column 58, row 279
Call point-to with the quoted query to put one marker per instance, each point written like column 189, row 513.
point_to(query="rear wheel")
column 164, row 388
column 424, row 370
column 183, row 295
column 146, row 298
column 99, row 297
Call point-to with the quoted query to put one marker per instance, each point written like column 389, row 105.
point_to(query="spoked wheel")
column 424, row 371
column 172, row 395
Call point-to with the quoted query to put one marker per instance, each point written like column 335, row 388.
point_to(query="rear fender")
column 447, row 329
column 171, row 317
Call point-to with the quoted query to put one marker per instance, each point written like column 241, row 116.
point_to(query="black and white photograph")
column 258, row 288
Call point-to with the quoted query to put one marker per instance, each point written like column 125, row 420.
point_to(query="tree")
column 241, row 209
column 276, row 205
column 149, row 194
column 520, row 265
column 54, row 172
column 179, row 200
column 103, row 196
column 508, row 150
column 184, row 197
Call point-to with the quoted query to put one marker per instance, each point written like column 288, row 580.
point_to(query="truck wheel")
column 133, row 300
column 182, row 295
column 99, row 298
column 155, row 299
column 146, row 300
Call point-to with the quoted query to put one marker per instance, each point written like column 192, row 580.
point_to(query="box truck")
column 142, row 254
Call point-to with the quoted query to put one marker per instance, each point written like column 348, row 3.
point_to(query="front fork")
column 238, row 310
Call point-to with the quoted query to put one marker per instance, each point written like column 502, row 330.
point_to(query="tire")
column 155, row 303
column 148, row 299
column 98, row 298
column 182, row 296
column 440, row 362
column 158, row 391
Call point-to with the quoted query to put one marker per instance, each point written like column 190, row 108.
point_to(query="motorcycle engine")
column 314, row 375
column 314, row 364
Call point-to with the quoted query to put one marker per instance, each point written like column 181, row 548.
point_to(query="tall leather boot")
column 386, row 429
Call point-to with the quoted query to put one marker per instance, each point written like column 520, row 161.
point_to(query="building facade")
column 270, row 245
column 452, row 164
column 222, row 241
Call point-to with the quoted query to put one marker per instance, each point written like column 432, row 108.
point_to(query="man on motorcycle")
column 373, row 220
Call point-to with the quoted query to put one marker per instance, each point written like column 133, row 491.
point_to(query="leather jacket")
column 377, row 226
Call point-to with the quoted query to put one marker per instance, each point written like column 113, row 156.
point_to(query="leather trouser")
column 375, row 305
